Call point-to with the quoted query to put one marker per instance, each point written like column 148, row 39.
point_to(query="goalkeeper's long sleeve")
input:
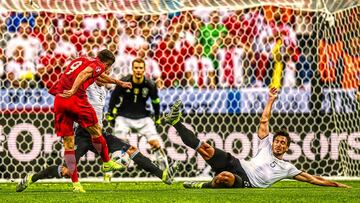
column 156, row 107
column 155, row 100
column 114, row 100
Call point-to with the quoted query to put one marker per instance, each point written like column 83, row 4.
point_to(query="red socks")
column 100, row 145
column 70, row 161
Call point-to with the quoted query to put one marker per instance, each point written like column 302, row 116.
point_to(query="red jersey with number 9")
column 68, row 77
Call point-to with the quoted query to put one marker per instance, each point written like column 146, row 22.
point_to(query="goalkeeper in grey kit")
column 127, row 108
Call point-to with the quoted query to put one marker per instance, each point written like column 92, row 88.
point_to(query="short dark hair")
column 285, row 134
column 106, row 56
column 138, row 60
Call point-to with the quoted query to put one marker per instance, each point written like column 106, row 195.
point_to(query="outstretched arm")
column 264, row 121
column 317, row 180
column 104, row 78
column 80, row 79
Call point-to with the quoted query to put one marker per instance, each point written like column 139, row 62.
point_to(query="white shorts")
column 142, row 126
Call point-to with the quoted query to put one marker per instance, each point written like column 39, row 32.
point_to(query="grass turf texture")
column 155, row 192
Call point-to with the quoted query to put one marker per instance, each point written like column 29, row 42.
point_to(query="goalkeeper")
column 263, row 170
column 127, row 108
column 96, row 94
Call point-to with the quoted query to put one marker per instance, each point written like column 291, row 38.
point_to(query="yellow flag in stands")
column 27, row 76
column 278, row 65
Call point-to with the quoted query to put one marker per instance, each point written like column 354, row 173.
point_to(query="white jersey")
column 265, row 169
column 96, row 95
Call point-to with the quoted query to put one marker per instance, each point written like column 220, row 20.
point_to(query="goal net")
column 219, row 57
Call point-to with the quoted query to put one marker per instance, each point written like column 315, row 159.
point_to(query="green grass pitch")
column 155, row 192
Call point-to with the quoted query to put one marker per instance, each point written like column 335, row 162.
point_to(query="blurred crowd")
column 199, row 49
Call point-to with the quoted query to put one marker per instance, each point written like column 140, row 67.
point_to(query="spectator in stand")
column 263, row 47
column 7, row 80
column 246, row 25
column 42, row 30
column 170, row 54
column 158, row 29
column 51, row 64
column 283, row 28
column 211, row 37
column 130, row 43
column 112, row 35
column 303, row 25
column 94, row 22
column 65, row 47
column 147, row 35
column 303, row 69
column 186, row 39
column 152, row 69
column 351, row 71
column 199, row 70
column 275, row 26
column 5, row 36
column 289, row 72
column 203, row 14
column 19, row 70
column 94, row 43
column 16, row 19
column 151, row 30
column 31, row 45
column 231, row 57
column 2, row 68
column 187, row 26
column 74, row 28
column 122, row 65
column 130, row 39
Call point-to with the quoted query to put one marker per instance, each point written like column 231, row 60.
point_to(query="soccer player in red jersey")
column 71, row 105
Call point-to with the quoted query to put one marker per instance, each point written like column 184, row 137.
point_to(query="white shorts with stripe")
column 142, row 126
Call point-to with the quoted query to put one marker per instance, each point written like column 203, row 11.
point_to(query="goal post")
column 216, row 56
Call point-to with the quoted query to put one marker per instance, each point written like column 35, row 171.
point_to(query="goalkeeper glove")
column 157, row 120
column 110, row 118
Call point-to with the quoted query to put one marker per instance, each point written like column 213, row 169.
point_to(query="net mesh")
column 219, row 60
column 164, row 6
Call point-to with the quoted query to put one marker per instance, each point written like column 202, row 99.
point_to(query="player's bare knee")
column 155, row 144
column 132, row 150
column 69, row 143
column 94, row 131
column 206, row 151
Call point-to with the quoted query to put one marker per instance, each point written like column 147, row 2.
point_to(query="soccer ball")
column 121, row 157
